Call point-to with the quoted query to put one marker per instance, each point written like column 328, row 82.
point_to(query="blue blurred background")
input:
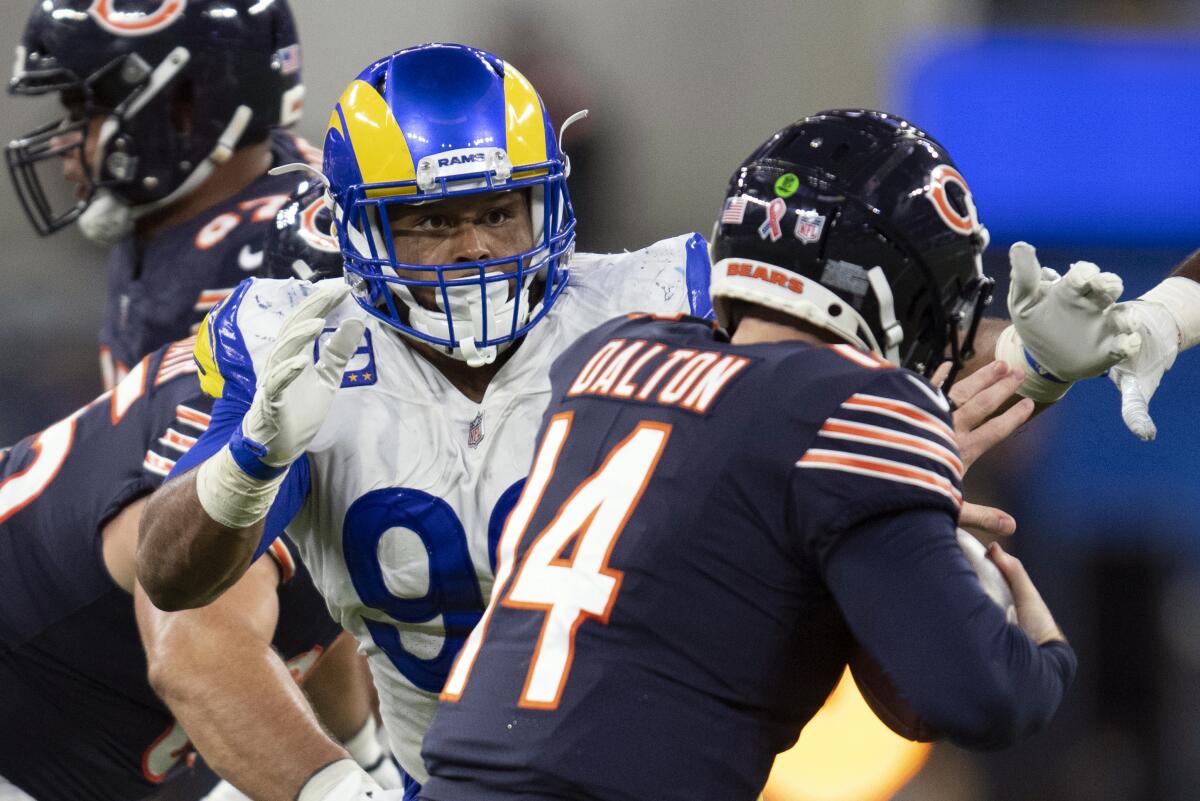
column 1077, row 125
column 1085, row 140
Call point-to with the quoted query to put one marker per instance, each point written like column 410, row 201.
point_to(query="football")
column 877, row 690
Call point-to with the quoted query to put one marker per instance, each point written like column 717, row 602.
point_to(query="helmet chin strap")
column 467, row 315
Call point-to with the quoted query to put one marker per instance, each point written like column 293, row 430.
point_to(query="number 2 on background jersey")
column 568, row 589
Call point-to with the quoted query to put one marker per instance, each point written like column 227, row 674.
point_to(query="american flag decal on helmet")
column 734, row 211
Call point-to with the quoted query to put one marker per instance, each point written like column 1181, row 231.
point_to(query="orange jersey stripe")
column 858, row 357
column 180, row 442
column 885, row 437
column 900, row 410
column 282, row 556
column 159, row 465
column 881, row 468
column 192, row 417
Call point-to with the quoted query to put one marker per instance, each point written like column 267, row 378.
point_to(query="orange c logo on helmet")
column 965, row 224
column 309, row 231
column 131, row 23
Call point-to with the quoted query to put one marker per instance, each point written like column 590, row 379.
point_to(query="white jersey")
column 409, row 481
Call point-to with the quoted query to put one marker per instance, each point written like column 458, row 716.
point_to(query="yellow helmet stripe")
column 379, row 145
column 526, row 127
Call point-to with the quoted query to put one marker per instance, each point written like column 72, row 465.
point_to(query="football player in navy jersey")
column 711, row 522
column 83, row 652
column 174, row 116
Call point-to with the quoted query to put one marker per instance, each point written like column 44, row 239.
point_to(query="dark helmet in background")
column 179, row 85
column 858, row 223
column 300, row 243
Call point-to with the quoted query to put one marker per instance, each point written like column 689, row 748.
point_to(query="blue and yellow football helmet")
column 439, row 121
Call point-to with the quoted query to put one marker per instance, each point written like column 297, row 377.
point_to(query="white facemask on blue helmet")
column 430, row 123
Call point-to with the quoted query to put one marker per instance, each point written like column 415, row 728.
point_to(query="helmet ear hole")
column 834, row 310
column 181, row 107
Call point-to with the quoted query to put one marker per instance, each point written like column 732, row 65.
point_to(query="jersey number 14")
column 566, row 589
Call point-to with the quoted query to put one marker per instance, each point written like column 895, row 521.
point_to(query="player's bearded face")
column 460, row 229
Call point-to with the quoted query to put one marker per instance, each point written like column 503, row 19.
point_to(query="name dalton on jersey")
column 688, row 378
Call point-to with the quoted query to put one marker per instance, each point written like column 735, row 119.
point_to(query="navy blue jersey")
column 79, row 719
column 160, row 289
column 664, row 619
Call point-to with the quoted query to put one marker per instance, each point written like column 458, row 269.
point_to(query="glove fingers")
column 306, row 321
column 337, row 350
column 295, row 338
column 282, row 375
column 1026, row 276
column 1135, row 407
column 1079, row 276
column 1105, row 288
column 321, row 302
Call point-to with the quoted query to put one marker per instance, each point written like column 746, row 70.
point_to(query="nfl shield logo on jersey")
column 475, row 433
column 809, row 226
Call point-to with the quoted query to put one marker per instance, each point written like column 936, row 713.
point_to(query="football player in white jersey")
column 389, row 424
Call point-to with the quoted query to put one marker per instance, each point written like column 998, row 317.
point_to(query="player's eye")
column 497, row 216
column 433, row 222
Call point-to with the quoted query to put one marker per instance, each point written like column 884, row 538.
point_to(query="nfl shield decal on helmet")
column 809, row 226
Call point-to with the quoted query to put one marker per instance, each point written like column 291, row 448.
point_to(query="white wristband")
column 1181, row 297
column 1036, row 386
column 230, row 496
column 342, row 780
column 364, row 746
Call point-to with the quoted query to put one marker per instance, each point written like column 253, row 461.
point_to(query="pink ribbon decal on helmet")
column 772, row 227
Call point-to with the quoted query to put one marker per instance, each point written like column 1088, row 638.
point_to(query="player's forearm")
column 241, row 709
column 1189, row 268
column 185, row 559
column 916, row 606
column 985, row 345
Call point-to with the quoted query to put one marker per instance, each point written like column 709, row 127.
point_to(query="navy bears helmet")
column 174, row 86
column 301, row 244
column 859, row 223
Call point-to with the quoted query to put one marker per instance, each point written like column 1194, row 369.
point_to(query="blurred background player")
column 85, row 658
column 639, row 645
column 459, row 255
column 175, row 111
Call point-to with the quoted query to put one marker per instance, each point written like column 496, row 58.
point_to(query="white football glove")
column 1168, row 319
column 237, row 485
column 345, row 781
column 373, row 756
column 1063, row 328
column 294, row 395
column 1138, row 376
